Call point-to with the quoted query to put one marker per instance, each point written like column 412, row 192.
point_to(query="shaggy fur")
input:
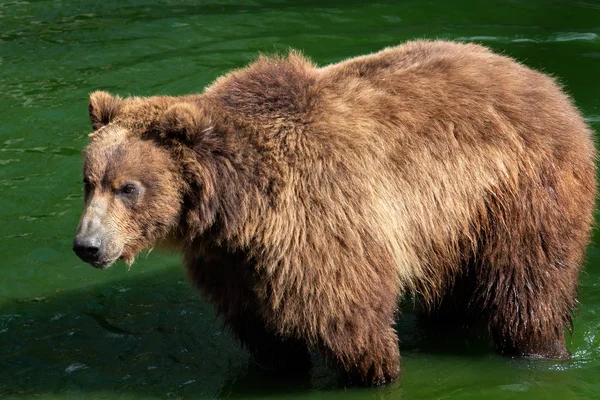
column 306, row 201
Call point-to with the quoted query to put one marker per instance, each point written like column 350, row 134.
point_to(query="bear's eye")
column 86, row 186
column 128, row 189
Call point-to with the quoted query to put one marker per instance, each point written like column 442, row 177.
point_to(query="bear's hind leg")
column 532, row 247
column 529, row 309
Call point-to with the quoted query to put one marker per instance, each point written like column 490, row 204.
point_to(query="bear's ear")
column 103, row 108
column 184, row 122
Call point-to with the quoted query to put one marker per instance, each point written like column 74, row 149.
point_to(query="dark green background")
column 68, row 330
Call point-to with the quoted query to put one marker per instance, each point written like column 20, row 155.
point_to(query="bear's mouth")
column 103, row 264
column 105, row 261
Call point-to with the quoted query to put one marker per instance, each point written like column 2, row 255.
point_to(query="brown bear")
column 306, row 201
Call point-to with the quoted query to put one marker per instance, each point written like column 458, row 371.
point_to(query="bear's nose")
column 87, row 248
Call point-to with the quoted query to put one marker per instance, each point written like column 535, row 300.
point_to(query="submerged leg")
column 532, row 247
column 368, row 355
column 270, row 351
column 528, row 315
column 226, row 280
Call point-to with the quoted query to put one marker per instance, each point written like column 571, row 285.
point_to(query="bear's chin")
column 108, row 262
column 103, row 264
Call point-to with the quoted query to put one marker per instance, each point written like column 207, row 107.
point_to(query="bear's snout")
column 87, row 248
column 95, row 243
column 96, row 249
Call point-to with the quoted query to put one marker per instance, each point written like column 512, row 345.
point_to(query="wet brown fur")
column 307, row 201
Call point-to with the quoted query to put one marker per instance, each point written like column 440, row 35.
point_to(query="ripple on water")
column 61, row 151
column 571, row 36
column 17, row 235
column 10, row 160
column 75, row 367
column 43, row 216
column 517, row 387
column 57, row 317
column 74, row 196
column 39, row 93
column 559, row 37
column 12, row 181
column 592, row 119
column 13, row 141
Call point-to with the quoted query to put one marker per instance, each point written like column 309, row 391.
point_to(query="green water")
column 69, row 331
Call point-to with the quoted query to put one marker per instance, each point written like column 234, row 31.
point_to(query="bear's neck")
column 239, row 180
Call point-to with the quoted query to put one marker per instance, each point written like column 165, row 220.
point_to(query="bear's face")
column 132, row 196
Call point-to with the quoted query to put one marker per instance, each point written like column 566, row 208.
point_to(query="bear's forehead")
column 104, row 143
column 119, row 155
column 111, row 150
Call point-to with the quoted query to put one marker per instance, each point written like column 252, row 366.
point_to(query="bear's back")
column 414, row 138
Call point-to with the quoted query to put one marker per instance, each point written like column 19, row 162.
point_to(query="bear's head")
column 140, row 168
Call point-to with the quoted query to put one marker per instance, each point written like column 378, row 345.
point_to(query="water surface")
column 68, row 330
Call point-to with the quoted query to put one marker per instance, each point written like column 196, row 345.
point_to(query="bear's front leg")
column 366, row 351
column 344, row 309
column 270, row 352
column 227, row 281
